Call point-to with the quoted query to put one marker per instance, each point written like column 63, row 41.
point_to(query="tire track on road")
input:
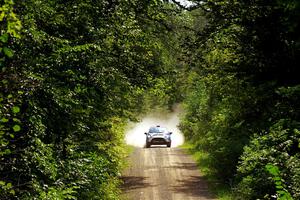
column 161, row 173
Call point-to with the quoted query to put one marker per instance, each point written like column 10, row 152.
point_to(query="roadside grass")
column 221, row 191
column 127, row 151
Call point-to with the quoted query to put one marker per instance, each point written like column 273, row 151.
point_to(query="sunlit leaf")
column 8, row 185
column 16, row 128
column 4, row 120
column 7, row 151
column 8, row 52
column 12, row 192
column 4, row 38
column 16, row 109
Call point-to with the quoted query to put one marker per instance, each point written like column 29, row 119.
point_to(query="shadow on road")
column 192, row 186
column 162, row 173
column 157, row 147
column 134, row 182
column 183, row 166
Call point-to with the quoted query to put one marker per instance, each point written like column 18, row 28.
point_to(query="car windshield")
column 157, row 130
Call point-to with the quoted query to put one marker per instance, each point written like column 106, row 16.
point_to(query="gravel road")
column 160, row 173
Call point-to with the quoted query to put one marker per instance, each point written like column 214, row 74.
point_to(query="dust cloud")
column 135, row 134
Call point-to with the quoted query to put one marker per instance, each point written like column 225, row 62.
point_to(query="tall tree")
column 76, row 76
column 244, row 88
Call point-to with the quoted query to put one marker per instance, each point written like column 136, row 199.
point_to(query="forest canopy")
column 242, row 98
column 72, row 74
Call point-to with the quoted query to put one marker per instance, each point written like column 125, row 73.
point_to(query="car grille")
column 158, row 140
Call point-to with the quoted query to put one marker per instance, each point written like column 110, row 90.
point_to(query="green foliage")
column 280, row 190
column 242, row 92
column 68, row 87
column 6, row 188
column 278, row 147
column 204, row 162
column 9, row 110
column 9, row 22
column 76, row 71
column 55, row 193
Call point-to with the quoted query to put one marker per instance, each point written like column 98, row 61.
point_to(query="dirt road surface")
column 160, row 173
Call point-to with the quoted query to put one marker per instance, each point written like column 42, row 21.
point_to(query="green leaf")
column 4, row 120
column 277, row 178
column 7, row 151
column 4, row 38
column 281, row 192
column 278, row 182
column 272, row 169
column 279, row 187
column 16, row 128
column 16, row 109
column 12, row 192
column 4, row 81
column 16, row 120
column 9, row 185
column 8, row 52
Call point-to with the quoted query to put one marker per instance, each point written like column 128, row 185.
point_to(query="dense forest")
column 242, row 99
column 73, row 73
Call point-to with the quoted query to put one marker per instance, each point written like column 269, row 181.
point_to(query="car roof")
column 157, row 129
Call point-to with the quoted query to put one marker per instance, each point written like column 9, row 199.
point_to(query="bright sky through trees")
column 185, row 3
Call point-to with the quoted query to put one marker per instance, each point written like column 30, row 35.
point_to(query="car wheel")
column 169, row 144
column 148, row 145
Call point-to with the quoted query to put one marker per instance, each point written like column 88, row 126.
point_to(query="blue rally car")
column 158, row 136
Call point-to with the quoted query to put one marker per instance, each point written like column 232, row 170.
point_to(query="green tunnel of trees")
column 73, row 73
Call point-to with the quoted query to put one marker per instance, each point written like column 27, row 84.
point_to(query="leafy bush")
column 280, row 147
column 70, row 83
column 242, row 92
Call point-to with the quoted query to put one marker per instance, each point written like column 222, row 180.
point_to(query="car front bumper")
column 158, row 140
